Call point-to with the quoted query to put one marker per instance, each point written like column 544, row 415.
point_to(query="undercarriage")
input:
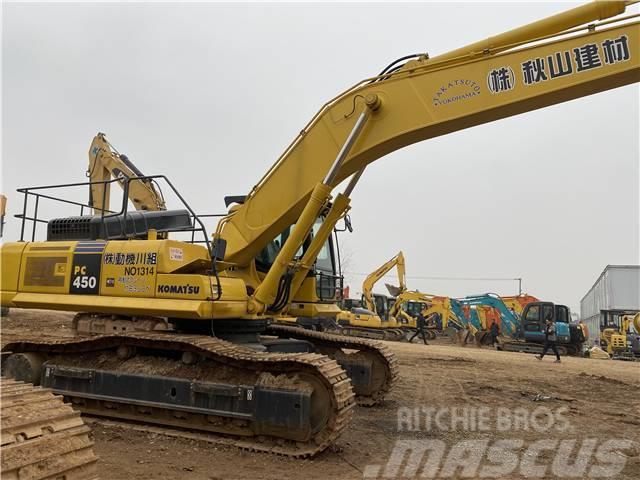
column 287, row 391
column 511, row 345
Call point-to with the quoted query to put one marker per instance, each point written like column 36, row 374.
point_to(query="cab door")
column 533, row 320
column 382, row 307
column 563, row 321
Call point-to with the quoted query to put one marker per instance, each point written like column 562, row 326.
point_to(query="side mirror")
column 347, row 224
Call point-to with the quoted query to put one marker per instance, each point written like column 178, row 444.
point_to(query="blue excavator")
column 523, row 333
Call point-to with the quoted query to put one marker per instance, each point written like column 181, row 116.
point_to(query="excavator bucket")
column 393, row 290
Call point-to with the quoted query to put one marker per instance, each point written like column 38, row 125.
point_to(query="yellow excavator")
column 436, row 310
column 106, row 163
column 379, row 303
column 619, row 340
column 181, row 333
column 372, row 320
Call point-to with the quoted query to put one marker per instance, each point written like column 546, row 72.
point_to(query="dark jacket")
column 550, row 332
column 495, row 330
column 420, row 321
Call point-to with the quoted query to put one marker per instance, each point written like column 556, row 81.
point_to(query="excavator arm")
column 408, row 296
column 105, row 162
column 541, row 64
column 444, row 306
column 518, row 302
column 509, row 319
column 374, row 277
column 432, row 304
column 457, row 309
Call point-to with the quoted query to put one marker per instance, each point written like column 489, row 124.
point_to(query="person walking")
column 438, row 321
column 494, row 332
column 549, row 339
column 421, row 325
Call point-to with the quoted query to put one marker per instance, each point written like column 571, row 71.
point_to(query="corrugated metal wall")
column 593, row 324
column 617, row 288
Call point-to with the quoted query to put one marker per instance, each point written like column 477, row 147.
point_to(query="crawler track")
column 42, row 437
column 384, row 362
column 246, row 366
column 389, row 334
column 528, row 347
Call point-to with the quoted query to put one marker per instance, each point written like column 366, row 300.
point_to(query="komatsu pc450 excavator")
column 180, row 326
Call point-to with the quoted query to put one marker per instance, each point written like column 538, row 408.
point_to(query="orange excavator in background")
column 517, row 303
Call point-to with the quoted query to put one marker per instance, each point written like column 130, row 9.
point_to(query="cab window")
column 324, row 262
column 562, row 314
column 533, row 314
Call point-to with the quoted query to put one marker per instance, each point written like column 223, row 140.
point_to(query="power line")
column 475, row 279
column 416, row 277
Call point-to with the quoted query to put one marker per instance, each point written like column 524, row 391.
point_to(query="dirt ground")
column 597, row 399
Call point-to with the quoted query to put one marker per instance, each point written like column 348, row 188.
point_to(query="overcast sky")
column 210, row 94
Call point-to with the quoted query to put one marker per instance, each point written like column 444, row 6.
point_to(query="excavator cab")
column 413, row 308
column 534, row 316
column 382, row 306
column 327, row 280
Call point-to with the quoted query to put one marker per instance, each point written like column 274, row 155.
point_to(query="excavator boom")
column 104, row 163
column 374, row 277
column 429, row 98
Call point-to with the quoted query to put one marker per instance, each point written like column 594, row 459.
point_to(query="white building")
column 615, row 292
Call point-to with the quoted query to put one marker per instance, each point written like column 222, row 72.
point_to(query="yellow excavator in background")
column 619, row 339
column 163, row 312
column 428, row 305
column 372, row 320
column 379, row 303
column 105, row 163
